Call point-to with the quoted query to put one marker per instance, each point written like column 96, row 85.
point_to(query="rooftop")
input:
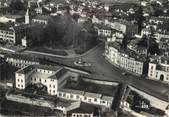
column 22, row 57
column 91, row 88
column 42, row 17
column 85, row 108
column 130, row 53
column 33, row 67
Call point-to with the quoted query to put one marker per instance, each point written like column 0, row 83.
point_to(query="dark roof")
column 26, row 69
column 82, row 85
column 42, row 17
column 85, row 108
column 151, row 87
column 59, row 74
column 31, row 67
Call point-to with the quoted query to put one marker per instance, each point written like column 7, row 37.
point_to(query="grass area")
column 19, row 109
column 45, row 50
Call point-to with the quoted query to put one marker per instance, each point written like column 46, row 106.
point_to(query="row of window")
column 54, row 91
column 20, row 80
column 20, row 86
column 78, row 97
column 40, row 80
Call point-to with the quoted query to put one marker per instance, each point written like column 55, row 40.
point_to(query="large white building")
column 126, row 60
column 159, row 69
column 55, row 80
column 51, row 77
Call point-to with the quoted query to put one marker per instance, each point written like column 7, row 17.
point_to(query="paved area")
column 103, row 70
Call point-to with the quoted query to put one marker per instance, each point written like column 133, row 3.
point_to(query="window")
column 151, row 67
column 77, row 97
column 71, row 96
column 22, row 86
column 18, row 85
column 39, row 80
column 89, row 100
column 53, row 91
column 53, row 86
column 45, row 80
column 18, row 80
column 103, row 101
column 49, row 85
column 64, row 95
column 95, row 99
column 85, row 98
column 60, row 94
column 21, row 80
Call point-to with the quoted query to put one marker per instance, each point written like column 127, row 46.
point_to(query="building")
column 104, row 31
column 21, row 61
column 127, row 60
column 51, row 77
column 67, row 84
column 27, row 18
column 128, row 28
column 15, row 34
column 159, row 69
column 12, row 18
column 164, row 46
column 85, row 110
column 41, row 19
column 7, row 35
column 76, row 90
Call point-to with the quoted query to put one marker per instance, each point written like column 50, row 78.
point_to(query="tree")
column 139, row 17
column 17, row 5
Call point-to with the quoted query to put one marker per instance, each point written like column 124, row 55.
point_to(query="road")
column 103, row 70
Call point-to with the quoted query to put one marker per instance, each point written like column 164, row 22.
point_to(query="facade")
column 159, row 70
column 104, row 31
column 51, row 77
column 41, row 19
column 27, row 18
column 55, row 80
column 124, row 60
column 7, row 35
column 126, row 27
column 15, row 34
column 21, row 61
column 12, row 18
column 86, row 97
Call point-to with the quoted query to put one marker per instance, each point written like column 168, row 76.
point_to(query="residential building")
column 7, row 34
column 12, row 18
column 15, row 34
column 21, row 61
column 126, row 27
column 127, row 60
column 85, row 110
column 164, row 46
column 104, row 31
column 159, row 69
column 41, row 19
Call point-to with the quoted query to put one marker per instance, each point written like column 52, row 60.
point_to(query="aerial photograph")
column 84, row 58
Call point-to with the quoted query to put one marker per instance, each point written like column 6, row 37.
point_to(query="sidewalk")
column 60, row 56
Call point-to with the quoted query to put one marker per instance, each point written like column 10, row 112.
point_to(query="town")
column 84, row 58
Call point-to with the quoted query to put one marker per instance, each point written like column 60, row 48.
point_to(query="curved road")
column 103, row 70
